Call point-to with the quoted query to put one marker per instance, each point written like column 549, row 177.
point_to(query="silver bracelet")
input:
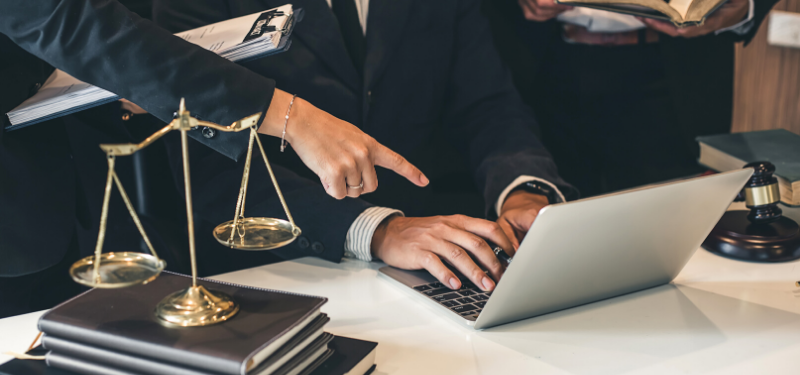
column 286, row 122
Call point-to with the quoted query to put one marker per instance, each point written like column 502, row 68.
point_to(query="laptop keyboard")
column 467, row 301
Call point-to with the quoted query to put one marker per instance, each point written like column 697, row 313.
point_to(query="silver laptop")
column 588, row 250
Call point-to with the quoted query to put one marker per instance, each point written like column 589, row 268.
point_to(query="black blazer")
column 430, row 68
column 100, row 42
column 699, row 70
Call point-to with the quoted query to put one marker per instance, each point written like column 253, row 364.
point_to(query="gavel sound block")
column 761, row 234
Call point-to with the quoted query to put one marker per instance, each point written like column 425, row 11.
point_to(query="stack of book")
column 115, row 331
column 239, row 39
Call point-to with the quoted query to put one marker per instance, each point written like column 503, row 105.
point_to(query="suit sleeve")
column 485, row 117
column 761, row 9
column 103, row 43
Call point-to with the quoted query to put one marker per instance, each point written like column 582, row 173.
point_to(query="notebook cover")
column 780, row 147
column 123, row 320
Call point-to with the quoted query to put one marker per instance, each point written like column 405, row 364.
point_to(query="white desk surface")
column 718, row 317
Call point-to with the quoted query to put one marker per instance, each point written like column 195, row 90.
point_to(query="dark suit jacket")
column 430, row 67
column 100, row 42
column 699, row 70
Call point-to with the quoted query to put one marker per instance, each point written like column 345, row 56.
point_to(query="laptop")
column 589, row 250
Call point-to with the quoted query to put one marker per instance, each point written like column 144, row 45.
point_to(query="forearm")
column 102, row 43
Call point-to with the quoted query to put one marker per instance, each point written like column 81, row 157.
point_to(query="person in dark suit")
column 101, row 42
column 402, row 71
column 620, row 100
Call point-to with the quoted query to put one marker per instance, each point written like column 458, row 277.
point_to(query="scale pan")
column 117, row 270
column 257, row 233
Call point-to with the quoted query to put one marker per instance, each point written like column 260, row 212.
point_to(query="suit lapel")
column 319, row 30
column 385, row 23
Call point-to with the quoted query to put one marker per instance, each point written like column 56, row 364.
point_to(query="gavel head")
column 762, row 194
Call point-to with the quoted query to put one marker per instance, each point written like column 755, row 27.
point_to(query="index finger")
column 664, row 27
column 488, row 230
column 389, row 159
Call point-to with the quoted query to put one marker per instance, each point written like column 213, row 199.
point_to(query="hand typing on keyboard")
column 468, row 301
column 429, row 242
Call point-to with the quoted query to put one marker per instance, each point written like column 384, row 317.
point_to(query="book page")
column 682, row 6
column 700, row 9
column 656, row 5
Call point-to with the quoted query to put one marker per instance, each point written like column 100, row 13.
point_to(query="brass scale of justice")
column 196, row 305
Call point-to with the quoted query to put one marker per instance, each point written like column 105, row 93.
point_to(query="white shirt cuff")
column 359, row 236
column 519, row 181
column 743, row 27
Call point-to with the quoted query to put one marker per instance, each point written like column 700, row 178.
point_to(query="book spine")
column 119, row 360
column 137, row 348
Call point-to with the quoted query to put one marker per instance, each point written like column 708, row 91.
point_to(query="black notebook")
column 350, row 357
column 123, row 320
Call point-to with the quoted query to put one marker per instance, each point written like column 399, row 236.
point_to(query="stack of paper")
column 60, row 95
column 243, row 38
column 238, row 39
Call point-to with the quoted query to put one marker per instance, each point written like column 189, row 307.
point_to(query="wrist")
column 380, row 235
column 275, row 118
column 519, row 198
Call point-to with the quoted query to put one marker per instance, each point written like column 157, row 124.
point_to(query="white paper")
column 600, row 21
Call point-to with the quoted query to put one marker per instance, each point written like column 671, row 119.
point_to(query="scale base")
column 195, row 307
column 117, row 270
column 736, row 237
column 257, row 233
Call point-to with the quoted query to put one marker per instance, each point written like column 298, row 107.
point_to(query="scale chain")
column 242, row 192
column 101, row 235
column 134, row 216
column 275, row 183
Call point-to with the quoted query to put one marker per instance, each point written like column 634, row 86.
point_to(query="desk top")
column 718, row 317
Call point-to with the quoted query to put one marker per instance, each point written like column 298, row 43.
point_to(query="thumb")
column 510, row 233
column 389, row 159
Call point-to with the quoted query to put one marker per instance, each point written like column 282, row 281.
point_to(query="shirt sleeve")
column 519, row 181
column 359, row 236
column 743, row 27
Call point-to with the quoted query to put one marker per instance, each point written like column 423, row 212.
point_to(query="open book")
column 680, row 12
column 237, row 39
